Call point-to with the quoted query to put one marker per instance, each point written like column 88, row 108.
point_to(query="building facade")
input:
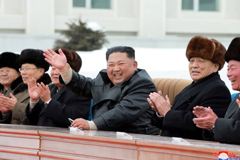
column 142, row 18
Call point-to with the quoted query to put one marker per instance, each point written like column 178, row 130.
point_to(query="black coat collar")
column 194, row 88
column 233, row 108
column 15, row 83
column 114, row 91
column 45, row 79
column 56, row 94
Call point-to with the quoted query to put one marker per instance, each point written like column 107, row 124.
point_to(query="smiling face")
column 200, row 68
column 120, row 67
column 55, row 77
column 30, row 71
column 233, row 74
column 7, row 76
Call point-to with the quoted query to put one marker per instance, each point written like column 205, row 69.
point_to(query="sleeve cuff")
column 4, row 116
column 92, row 125
column 49, row 101
column 32, row 104
column 67, row 76
column 159, row 115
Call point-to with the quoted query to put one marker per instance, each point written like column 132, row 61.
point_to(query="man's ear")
column 135, row 64
column 42, row 71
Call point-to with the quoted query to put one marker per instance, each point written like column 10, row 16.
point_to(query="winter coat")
column 123, row 107
column 14, row 85
column 63, row 105
column 18, row 116
column 227, row 129
column 210, row 91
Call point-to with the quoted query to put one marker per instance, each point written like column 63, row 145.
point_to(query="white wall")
column 143, row 18
column 224, row 22
column 152, row 18
column 40, row 17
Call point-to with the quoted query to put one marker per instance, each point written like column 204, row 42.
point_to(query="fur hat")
column 73, row 59
column 233, row 51
column 205, row 48
column 9, row 59
column 34, row 56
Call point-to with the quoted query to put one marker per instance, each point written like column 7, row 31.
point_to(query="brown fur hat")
column 73, row 59
column 205, row 48
column 233, row 51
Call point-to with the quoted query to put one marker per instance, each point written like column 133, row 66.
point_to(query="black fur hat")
column 233, row 51
column 34, row 56
column 73, row 59
column 9, row 59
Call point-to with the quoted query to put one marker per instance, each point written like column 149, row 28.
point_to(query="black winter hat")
column 9, row 59
column 34, row 56
column 233, row 51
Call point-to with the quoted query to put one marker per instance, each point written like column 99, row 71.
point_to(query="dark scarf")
column 45, row 79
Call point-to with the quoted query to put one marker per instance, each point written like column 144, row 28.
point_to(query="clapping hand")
column 205, row 117
column 238, row 101
column 44, row 92
column 7, row 104
column 33, row 90
column 160, row 104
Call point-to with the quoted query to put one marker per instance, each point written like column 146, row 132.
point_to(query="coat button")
column 110, row 123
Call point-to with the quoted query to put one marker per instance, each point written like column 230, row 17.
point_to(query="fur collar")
column 21, row 87
column 15, row 83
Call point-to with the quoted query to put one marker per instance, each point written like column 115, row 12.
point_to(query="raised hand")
column 33, row 90
column 59, row 61
column 44, row 92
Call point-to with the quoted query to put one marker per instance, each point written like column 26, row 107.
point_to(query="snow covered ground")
column 159, row 63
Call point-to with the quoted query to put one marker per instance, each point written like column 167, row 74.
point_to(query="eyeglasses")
column 25, row 69
column 5, row 70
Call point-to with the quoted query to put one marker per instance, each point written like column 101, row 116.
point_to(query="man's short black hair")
column 124, row 49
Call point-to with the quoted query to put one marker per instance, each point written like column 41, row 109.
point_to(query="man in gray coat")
column 119, row 92
column 225, row 129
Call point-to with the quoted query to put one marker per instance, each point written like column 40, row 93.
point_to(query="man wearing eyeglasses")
column 34, row 66
column 9, row 77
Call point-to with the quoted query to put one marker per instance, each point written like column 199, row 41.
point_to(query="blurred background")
column 159, row 30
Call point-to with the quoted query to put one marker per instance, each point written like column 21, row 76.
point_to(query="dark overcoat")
column 16, row 82
column 178, row 122
column 64, row 104
column 18, row 116
column 227, row 129
column 121, row 107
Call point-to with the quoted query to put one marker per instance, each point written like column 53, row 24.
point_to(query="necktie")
column 5, row 91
